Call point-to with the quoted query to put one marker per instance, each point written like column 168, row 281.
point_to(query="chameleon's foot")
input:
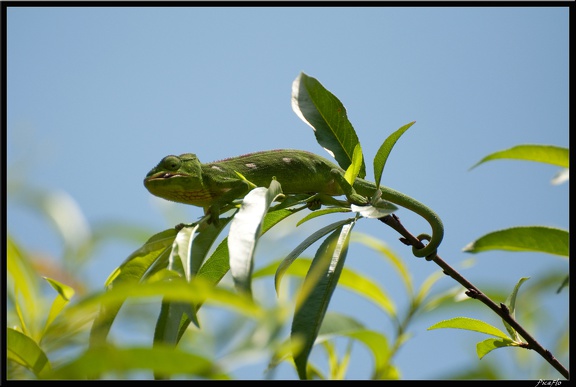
column 357, row 199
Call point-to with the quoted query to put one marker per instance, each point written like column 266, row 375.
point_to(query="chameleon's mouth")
column 164, row 176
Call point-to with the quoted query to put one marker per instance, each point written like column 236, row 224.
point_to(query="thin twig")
column 473, row 292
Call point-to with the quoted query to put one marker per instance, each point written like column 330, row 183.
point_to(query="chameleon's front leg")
column 235, row 189
column 351, row 194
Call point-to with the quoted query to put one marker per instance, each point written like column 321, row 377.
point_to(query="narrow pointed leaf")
column 349, row 279
column 245, row 232
column 314, row 296
column 470, row 324
column 320, row 109
column 178, row 290
column 384, row 151
column 65, row 293
column 172, row 322
column 218, row 264
column 287, row 261
column 132, row 270
column 549, row 154
column 163, row 360
column 181, row 249
column 511, row 304
column 529, row 238
column 336, row 324
column 25, row 351
column 354, row 168
column 202, row 244
column 317, row 213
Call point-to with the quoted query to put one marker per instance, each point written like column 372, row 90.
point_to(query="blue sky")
column 97, row 96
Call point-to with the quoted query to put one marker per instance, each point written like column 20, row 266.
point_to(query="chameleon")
column 184, row 179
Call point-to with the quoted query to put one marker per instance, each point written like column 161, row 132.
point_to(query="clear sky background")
column 97, row 96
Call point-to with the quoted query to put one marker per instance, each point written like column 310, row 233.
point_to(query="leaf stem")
column 473, row 292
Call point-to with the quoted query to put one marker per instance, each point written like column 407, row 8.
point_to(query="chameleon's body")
column 185, row 179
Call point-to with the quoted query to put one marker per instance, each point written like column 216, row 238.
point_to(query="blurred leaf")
column 172, row 322
column 561, row 176
column 384, row 151
column 530, row 238
column 132, row 270
column 289, row 259
column 349, row 279
column 387, row 253
column 25, row 351
column 470, row 324
column 426, row 286
column 245, row 231
column 23, row 288
column 314, row 296
column 511, row 304
column 164, row 360
column 65, row 293
column 176, row 290
column 549, row 154
column 483, row 347
column 357, row 162
column 320, row 109
column 336, row 324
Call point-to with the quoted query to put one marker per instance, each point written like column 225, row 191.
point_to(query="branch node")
column 405, row 241
column 504, row 308
column 472, row 293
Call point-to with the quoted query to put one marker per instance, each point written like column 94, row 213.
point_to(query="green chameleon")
column 185, row 179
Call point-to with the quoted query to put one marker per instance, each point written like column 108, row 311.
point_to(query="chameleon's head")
column 177, row 178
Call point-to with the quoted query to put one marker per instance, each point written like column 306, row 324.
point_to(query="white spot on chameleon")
column 251, row 165
column 217, row 168
column 287, row 160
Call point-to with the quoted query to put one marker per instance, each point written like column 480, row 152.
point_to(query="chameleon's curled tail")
column 433, row 219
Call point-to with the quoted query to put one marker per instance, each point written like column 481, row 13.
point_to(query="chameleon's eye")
column 171, row 163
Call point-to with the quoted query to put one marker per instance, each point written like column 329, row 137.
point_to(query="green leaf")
column 511, row 304
column 320, row 109
column 317, row 213
column 25, row 351
column 23, row 286
column 528, row 238
column 163, row 360
column 336, row 324
column 483, row 347
column 287, row 261
column 65, row 293
column 181, row 248
column 354, row 168
column 132, row 270
column 385, row 251
column 174, row 318
column 203, row 242
column 470, row 324
column 349, row 279
column 218, row 264
column 549, row 154
column 384, row 151
column 314, row 296
column 176, row 290
column 245, row 232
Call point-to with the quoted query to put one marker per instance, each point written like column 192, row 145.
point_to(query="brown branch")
column 473, row 292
